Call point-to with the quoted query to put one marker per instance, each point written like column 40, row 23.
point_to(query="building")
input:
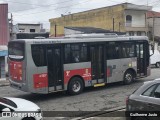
column 126, row 17
column 153, row 19
column 28, row 28
column 29, row 31
column 4, row 28
column 4, row 38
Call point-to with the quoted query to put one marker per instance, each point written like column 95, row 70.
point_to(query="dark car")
column 144, row 101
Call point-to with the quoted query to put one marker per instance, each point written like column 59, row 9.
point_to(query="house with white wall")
column 153, row 19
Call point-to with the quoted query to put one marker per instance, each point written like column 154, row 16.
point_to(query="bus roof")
column 82, row 39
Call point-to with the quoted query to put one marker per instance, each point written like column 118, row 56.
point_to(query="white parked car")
column 19, row 109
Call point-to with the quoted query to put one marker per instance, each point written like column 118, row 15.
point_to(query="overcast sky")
column 40, row 11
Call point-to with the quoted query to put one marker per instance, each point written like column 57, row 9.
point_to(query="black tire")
column 75, row 86
column 158, row 64
column 128, row 77
column 28, row 118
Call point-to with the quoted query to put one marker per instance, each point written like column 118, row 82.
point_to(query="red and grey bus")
column 73, row 63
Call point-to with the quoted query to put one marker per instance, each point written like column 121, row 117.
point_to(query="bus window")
column 113, row 51
column 16, row 50
column 84, row 53
column 128, row 50
column 67, row 53
column 38, row 55
column 75, row 53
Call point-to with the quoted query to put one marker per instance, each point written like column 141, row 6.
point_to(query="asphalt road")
column 92, row 99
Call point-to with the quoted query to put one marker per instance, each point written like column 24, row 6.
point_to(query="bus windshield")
column 16, row 50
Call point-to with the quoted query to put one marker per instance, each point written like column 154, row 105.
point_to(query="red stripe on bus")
column 40, row 80
column 85, row 73
column 108, row 72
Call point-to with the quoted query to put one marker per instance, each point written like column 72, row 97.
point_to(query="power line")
column 43, row 6
column 155, row 2
column 57, row 8
column 61, row 8
column 22, row 3
column 47, row 5
column 53, row 9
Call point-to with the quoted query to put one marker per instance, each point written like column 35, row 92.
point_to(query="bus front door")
column 54, row 66
column 141, row 59
column 97, row 64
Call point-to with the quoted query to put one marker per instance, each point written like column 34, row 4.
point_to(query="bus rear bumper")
column 19, row 86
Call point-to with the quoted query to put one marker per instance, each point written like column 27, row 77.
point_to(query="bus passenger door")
column 54, row 66
column 97, row 63
column 141, row 59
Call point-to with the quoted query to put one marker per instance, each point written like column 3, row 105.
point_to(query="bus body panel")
column 16, row 70
column 78, row 69
column 37, row 80
column 18, row 84
column 118, row 67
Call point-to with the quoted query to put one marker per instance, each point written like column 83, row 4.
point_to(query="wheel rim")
column 158, row 64
column 76, row 86
column 128, row 77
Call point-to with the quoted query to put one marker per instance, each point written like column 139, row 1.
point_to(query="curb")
column 4, row 82
column 99, row 113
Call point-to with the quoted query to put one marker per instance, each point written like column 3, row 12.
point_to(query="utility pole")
column 11, row 27
column 153, row 27
column 119, row 26
column 113, row 24
column 55, row 28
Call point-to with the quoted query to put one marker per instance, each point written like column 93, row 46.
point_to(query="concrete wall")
column 98, row 18
column 156, row 25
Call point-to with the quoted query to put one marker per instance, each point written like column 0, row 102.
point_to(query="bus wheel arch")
column 76, row 85
column 129, row 76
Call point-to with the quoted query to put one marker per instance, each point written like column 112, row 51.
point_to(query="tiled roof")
column 151, row 14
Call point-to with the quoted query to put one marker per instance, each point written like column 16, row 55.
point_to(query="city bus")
column 75, row 62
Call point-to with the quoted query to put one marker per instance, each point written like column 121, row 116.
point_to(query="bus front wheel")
column 75, row 86
column 128, row 77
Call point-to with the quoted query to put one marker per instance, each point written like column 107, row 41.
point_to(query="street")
column 92, row 99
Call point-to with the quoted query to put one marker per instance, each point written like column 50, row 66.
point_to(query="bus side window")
column 117, row 52
column 128, row 50
column 112, row 51
column 76, row 53
column 38, row 55
column 67, row 53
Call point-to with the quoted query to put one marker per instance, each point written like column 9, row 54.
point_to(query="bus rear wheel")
column 128, row 77
column 75, row 86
